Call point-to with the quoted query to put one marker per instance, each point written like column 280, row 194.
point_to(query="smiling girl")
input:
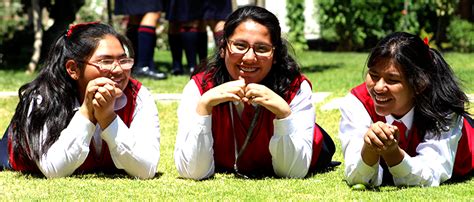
column 83, row 112
column 249, row 111
column 407, row 124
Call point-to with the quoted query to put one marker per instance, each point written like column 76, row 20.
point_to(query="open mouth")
column 248, row 69
column 382, row 100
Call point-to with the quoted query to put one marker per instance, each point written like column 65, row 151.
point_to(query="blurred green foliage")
column 361, row 23
column 296, row 21
column 461, row 35
column 11, row 18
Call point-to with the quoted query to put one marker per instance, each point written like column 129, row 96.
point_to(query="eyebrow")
column 258, row 42
column 110, row 56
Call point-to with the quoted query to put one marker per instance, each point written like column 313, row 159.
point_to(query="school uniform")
column 184, row 10
column 428, row 161
column 131, row 142
column 137, row 7
column 288, row 147
column 216, row 9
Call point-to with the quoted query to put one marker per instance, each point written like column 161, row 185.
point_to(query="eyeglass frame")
column 229, row 42
column 99, row 66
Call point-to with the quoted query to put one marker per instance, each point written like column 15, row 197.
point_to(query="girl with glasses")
column 407, row 124
column 83, row 113
column 249, row 110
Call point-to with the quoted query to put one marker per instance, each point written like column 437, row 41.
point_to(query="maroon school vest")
column 463, row 163
column 256, row 157
column 92, row 163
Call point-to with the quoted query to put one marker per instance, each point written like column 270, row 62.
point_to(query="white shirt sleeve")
column 291, row 145
column 135, row 149
column 194, row 153
column 435, row 160
column 439, row 151
column 355, row 121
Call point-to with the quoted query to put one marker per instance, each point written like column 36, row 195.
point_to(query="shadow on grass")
column 100, row 175
column 457, row 180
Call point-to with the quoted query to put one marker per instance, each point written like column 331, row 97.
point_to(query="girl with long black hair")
column 83, row 112
column 249, row 110
column 408, row 123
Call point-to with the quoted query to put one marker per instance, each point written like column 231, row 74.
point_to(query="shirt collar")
column 407, row 119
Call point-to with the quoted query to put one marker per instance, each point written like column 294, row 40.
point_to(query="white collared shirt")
column 135, row 149
column 290, row 146
column 432, row 166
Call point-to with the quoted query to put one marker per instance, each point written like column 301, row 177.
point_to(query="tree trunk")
column 38, row 30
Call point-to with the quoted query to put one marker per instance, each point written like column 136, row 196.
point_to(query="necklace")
column 237, row 153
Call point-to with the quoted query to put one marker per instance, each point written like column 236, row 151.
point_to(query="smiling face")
column 109, row 48
column 249, row 66
column 389, row 89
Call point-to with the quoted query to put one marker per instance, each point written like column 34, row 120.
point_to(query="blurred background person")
column 143, row 16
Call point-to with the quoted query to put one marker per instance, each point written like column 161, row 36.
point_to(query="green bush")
column 11, row 19
column 358, row 24
column 295, row 16
column 461, row 35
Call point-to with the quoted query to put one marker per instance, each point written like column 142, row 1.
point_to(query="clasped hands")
column 381, row 140
column 240, row 91
column 99, row 101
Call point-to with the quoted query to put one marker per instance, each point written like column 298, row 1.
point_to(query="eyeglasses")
column 242, row 47
column 108, row 65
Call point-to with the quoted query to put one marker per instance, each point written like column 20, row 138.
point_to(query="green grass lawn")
column 329, row 72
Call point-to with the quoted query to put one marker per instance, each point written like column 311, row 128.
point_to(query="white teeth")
column 248, row 69
column 381, row 99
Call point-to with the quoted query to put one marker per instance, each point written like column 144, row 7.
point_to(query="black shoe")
column 147, row 72
column 177, row 71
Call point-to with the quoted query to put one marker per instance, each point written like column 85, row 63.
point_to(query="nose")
column 380, row 86
column 250, row 56
column 116, row 69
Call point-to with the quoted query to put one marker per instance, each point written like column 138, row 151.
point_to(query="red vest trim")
column 224, row 155
column 104, row 161
column 464, row 162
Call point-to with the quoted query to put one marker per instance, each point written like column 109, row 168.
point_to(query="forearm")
column 194, row 154
column 291, row 147
column 434, row 161
column 70, row 150
column 134, row 149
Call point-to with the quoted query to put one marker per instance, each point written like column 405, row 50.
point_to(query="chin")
column 381, row 112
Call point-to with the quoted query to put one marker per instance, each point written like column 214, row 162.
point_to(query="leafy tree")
column 295, row 19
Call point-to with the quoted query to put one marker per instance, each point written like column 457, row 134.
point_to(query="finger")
column 374, row 139
column 102, row 96
column 90, row 92
column 95, row 103
column 101, row 81
column 118, row 92
column 388, row 131
column 378, row 130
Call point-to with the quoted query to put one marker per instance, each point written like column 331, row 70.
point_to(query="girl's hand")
column 380, row 138
column 104, row 100
column 260, row 94
column 87, row 108
column 230, row 91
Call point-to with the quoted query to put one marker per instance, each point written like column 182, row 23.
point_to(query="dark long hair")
column 437, row 90
column 48, row 101
column 284, row 69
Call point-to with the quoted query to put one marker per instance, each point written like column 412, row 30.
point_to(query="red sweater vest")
column 92, row 163
column 256, row 157
column 464, row 162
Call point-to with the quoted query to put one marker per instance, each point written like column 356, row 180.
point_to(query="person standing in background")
column 141, row 26
column 214, row 14
column 186, row 32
